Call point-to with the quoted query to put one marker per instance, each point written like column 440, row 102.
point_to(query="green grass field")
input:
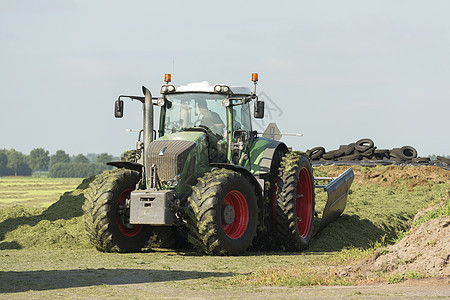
column 44, row 248
column 382, row 203
column 33, row 191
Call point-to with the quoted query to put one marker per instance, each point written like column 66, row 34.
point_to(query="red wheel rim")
column 303, row 203
column 241, row 216
column 134, row 229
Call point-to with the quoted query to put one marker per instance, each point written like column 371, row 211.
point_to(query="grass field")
column 44, row 250
column 33, row 191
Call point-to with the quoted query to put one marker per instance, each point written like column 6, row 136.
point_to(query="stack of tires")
column 365, row 149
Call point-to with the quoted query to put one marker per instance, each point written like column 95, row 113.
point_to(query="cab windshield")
column 195, row 110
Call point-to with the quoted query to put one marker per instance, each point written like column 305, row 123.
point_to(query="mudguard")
column 126, row 165
column 337, row 190
column 261, row 155
column 268, row 154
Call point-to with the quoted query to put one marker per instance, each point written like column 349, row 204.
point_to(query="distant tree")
column 3, row 162
column 59, row 157
column 76, row 170
column 39, row 159
column 18, row 163
column 104, row 158
column 81, row 159
column 92, row 157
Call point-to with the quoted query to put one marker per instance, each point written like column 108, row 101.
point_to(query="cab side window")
column 245, row 117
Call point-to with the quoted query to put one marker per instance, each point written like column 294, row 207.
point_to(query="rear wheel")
column 223, row 213
column 265, row 237
column 131, row 156
column 106, row 214
column 295, row 202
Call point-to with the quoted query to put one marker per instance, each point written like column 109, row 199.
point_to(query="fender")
column 267, row 156
column 261, row 155
column 126, row 165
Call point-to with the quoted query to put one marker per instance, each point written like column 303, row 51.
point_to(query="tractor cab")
column 220, row 111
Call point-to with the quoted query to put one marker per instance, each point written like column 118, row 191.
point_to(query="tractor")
column 207, row 178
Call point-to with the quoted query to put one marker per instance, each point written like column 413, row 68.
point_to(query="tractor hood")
column 179, row 158
column 192, row 136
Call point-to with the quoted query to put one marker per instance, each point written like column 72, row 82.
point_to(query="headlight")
column 161, row 101
column 221, row 89
column 174, row 181
column 171, row 88
column 164, row 89
column 226, row 102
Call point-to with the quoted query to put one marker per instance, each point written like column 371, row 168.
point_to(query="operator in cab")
column 210, row 118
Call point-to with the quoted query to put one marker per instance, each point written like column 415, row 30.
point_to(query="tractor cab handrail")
column 139, row 98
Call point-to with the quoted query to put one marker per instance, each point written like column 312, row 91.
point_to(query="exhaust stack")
column 148, row 129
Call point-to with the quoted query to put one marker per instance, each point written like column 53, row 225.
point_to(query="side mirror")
column 259, row 109
column 118, row 109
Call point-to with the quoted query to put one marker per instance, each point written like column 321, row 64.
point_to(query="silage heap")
column 59, row 226
column 382, row 203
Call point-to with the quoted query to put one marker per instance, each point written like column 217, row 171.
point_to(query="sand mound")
column 424, row 252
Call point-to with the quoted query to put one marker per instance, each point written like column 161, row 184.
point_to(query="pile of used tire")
column 365, row 150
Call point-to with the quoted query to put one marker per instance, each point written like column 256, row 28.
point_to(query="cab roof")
column 205, row 86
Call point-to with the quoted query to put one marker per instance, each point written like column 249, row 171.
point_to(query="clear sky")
column 336, row 71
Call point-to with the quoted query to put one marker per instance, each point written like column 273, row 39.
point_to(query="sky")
column 335, row 71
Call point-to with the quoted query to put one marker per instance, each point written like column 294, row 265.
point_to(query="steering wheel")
column 174, row 126
column 205, row 127
column 218, row 136
column 197, row 122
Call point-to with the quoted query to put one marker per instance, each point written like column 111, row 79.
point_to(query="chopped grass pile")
column 382, row 204
column 58, row 226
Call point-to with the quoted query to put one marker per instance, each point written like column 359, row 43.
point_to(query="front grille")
column 173, row 158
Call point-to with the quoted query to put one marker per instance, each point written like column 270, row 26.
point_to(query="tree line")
column 60, row 164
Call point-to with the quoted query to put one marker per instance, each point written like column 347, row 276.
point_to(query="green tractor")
column 206, row 177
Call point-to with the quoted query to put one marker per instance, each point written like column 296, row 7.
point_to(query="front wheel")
column 107, row 216
column 223, row 213
column 295, row 202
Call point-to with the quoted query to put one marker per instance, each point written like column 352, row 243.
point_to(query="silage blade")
column 337, row 191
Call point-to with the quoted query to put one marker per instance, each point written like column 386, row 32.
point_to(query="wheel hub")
column 228, row 214
column 123, row 216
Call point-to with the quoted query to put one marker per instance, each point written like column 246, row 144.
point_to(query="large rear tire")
column 106, row 216
column 223, row 213
column 265, row 239
column 295, row 202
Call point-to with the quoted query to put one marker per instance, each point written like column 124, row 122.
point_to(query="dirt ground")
column 136, row 285
column 84, row 274
column 424, row 252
